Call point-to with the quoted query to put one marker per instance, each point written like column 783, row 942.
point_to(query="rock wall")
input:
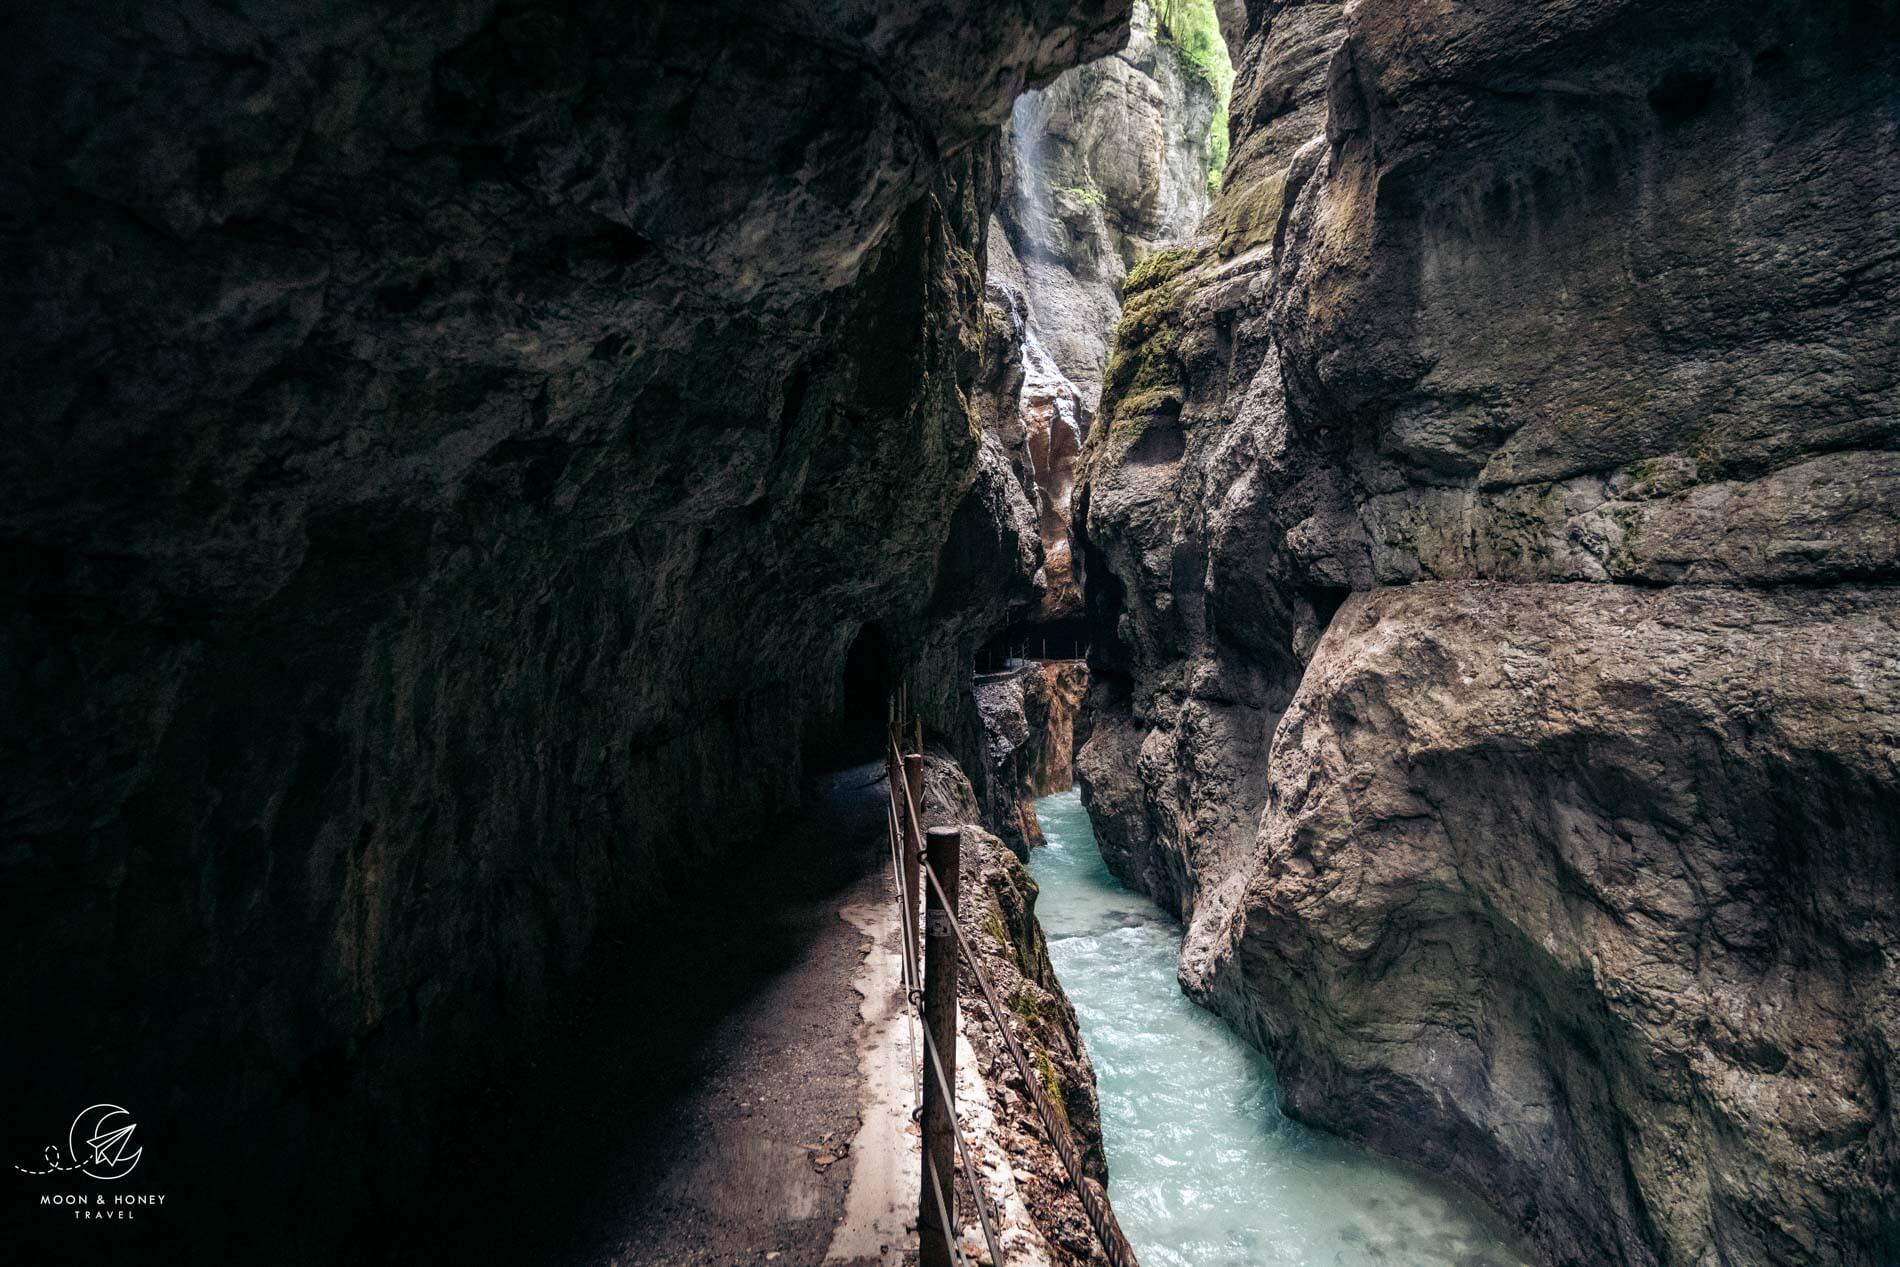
column 1028, row 715
column 1101, row 168
column 1038, row 419
column 449, row 453
column 1064, row 684
column 1490, row 548
column 1104, row 165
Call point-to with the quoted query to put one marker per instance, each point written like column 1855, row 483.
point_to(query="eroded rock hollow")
column 1490, row 543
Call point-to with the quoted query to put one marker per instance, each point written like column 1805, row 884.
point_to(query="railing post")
column 944, row 844
column 913, row 848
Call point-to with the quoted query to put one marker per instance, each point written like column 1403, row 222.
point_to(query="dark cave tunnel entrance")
column 1063, row 638
column 863, row 701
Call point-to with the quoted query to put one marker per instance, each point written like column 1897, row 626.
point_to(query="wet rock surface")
column 1037, row 421
column 448, row 457
column 1056, row 421
column 1099, row 169
column 1489, row 535
column 1104, row 165
column 1029, row 717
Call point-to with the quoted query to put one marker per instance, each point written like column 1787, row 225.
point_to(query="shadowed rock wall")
column 448, row 454
column 1490, row 540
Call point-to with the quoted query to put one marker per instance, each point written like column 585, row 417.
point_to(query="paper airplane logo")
column 107, row 1130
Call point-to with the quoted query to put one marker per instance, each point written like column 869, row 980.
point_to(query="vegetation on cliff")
column 1192, row 29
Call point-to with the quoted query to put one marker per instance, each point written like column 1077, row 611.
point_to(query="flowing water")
column 1204, row 1169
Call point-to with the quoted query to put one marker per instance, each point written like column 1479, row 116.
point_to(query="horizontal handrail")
column 1098, row 1216
column 903, row 813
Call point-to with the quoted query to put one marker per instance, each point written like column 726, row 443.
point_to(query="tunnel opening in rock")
column 1682, row 93
column 1064, row 638
column 864, row 696
column 1326, row 600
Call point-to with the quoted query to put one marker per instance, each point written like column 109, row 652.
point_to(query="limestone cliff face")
column 1103, row 166
column 1028, row 714
column 1037, row 419
column 449, row 453
column 1490, row 535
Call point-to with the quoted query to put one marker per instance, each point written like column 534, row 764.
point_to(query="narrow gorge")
column 1369, row 530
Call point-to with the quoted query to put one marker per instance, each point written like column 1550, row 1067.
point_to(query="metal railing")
column 925, row 870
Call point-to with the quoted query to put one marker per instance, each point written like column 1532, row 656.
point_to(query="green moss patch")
column 1192, row 29
column 1051, row 1083
column 1145, row 378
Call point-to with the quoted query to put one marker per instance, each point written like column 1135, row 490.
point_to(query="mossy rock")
column 1026, row 1005
column 1051, row 1082
column 1145, row 378
column 1249, row 216
column 1157, row 269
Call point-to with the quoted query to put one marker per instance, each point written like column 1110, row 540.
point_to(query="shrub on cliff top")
column 1193, row 28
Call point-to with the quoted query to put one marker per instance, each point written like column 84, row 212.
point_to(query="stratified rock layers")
column 1490, row 538
column 449, row 452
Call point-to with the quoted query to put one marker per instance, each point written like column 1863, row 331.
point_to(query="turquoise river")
column 1204, row 1169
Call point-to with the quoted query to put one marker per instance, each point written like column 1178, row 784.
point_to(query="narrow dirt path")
column 879, row 1224
column 754, row 1161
